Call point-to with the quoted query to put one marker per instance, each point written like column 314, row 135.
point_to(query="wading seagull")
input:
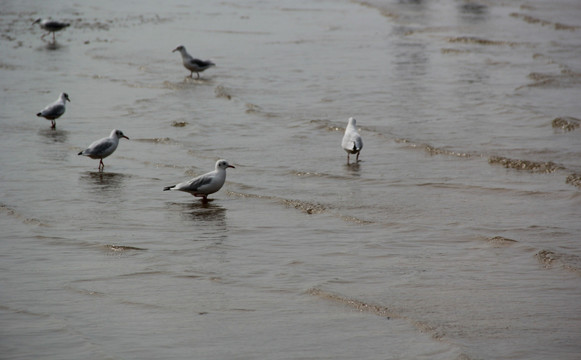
column 51, row 26
column 192, row 64
column 206, row 184
column 55, row 110
column 104, row 147
column 352, row 142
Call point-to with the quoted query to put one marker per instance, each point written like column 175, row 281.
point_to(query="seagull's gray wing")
column 196, row 183
column 201, row 63
column 53, row 111
column 99, row 148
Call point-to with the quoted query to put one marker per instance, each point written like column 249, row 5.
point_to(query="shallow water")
column 455, row 237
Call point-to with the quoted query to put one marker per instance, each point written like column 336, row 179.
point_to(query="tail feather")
column 39, row 114
column 168, row 188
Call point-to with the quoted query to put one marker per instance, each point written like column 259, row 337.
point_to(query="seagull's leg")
column 357, row 158
column 191, row 74
column 53, row 124
column 198, row 75
column 53, row 39
column 101, row 165
column 205, row 199
column 347, row 158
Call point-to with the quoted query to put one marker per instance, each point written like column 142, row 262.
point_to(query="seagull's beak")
column 174, row 50
column 36, row 21
column 125, row 137
column 231, row 166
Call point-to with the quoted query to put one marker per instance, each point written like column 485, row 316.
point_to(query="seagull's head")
column 119, row 134
column 179, row 48
column 223, row 164
column 66, row 97
column 352, row 121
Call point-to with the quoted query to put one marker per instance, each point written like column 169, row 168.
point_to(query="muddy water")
column 455, row 237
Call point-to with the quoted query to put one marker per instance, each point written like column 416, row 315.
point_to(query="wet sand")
column 455, row 237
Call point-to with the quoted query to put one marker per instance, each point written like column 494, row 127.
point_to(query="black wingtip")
column 39, row 114
column 168, row 188
column 81, row 153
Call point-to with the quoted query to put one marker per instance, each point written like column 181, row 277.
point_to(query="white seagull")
column 51, row 26
column 352, row 142
column 55, row 110
column 193, row 64
column 104, row 147
column 206, row 184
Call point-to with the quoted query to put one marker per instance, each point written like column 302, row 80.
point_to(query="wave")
column 567, row 123
column 7, row 210
column 533, row 20
column 163, row 140
column 223, row 92
column 485, row 42
column 500, row 241
column 549, row 259
column 526, row 165
column 382, row 311
column 574, row 179
column 303, row 206
column 564, row 79
column 121, row 248
column 432, row 150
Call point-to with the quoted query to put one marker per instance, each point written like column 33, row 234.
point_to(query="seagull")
column 206, row 184
column 193, row 64
column 352, row 142
column 104, row 147
column 55, row 110
column 51, row 26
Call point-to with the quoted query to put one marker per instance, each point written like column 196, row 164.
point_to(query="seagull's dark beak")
column 231, row 166
column 36, row 21
column 174, row 50
column 125, row 137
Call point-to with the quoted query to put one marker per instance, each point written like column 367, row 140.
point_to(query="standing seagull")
column 104, row 147
column 55, row 110
column 206, row 184
column 193, row 64
column 352, row 142
column 51, row 26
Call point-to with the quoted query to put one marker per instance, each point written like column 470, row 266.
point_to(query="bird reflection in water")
column 103, row 182
column 353, row 169
column 208, row 218
column 51, row 135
